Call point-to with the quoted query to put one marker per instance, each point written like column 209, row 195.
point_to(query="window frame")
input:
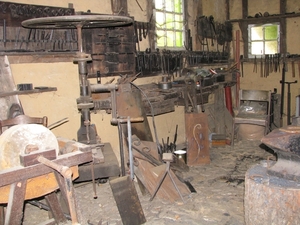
column 251, row 25
column 183, row 14
column 243, row 24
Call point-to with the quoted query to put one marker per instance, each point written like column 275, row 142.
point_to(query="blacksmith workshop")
column 152, row 112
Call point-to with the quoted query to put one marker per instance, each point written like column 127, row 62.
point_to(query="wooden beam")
column 282, row 6
column 227, row 8
column 245, row 9
column 282, row 27
column 119, row 7
column 13, row 175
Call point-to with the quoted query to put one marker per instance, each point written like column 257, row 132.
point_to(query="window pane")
column 178, row 22
column 256, row 33
column 169, row 21
column 271, row 47
column 271, row 32
column 178, row 6
column 169, row 6
column 158, row 4
column 160, row 38
column 257, row 48
column 179, row 38
column 170, row 38
column 160, row 19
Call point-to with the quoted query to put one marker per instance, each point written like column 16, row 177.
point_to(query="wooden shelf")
column 33, row 91
column 279, row 16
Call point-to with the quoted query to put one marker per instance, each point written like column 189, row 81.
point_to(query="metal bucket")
column 181, row 155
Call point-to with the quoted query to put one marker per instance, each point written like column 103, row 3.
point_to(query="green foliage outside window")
column 264, row 39
column 169, row 23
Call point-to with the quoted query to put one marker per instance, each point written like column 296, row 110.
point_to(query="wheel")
column 72, row 21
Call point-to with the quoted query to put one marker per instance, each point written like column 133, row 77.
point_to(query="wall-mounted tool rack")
column 112, row 50
column 16, row 39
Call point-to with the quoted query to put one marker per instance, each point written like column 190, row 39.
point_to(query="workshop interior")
column 136, row 94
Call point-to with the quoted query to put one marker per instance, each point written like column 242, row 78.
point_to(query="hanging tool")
column 271, row 63
column 261, row 67
column 242, row 65
column 293, row 68
column 4, row 33
column 140, row 31
column 255, row 65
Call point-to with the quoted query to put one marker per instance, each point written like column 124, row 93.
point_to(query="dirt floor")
column 218, row 200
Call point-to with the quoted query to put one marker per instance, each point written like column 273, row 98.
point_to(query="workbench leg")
column 2, row 216
column 14, row 210
column 55, row 208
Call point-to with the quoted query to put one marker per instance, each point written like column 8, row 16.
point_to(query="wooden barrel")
column 270, row 199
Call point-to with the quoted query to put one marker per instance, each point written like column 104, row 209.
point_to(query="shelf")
column 33, row 91
column 277, row 16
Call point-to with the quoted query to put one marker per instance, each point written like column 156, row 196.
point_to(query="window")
column 264, row 39
column 169, row 23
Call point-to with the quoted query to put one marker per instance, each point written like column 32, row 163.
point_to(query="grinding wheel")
column 14, row 141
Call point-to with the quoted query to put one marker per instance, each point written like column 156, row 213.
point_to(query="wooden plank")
column 14, row 210
column 7, row 85
column 37, row 186
column 129, row 103
column 196, row 126
column 149, row 175
column 16, row 174
column 31, row 159
column 33, row 91
column 127, row 200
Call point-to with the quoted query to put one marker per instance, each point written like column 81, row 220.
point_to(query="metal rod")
column 282, row 94
column 130, row 149
column 120, row 131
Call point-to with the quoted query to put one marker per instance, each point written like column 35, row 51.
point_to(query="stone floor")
column 219, row 198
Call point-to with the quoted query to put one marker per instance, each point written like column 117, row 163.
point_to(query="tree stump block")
column 270, row 199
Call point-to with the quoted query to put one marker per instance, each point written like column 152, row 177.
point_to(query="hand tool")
column 255, row 65
column 261, row 67
column 140, row 32
column 271, row 64
column 242, row 64
column 17, row 36
column 28, row 38
column 4, row 33
column 293, row 68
